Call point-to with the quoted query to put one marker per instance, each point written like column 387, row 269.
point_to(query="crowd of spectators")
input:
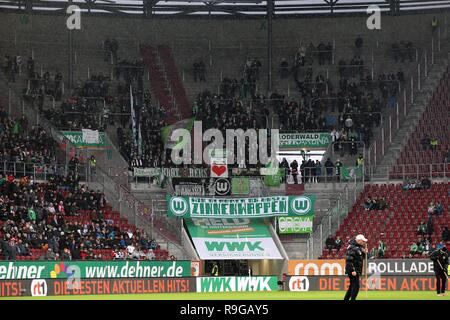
column 151, row 121
column 20, row 142
column 35, row 216
column 309, row 171
column 420, row 248
column 75, row 113
column 350, row 109
column 416, row 184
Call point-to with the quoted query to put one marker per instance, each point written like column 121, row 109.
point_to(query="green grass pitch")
column 277, row 295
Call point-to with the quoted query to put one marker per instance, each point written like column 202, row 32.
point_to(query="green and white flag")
column 349, row 173
column 273, row 175
column 166, row 133
column 258, row 207
column 225, row 239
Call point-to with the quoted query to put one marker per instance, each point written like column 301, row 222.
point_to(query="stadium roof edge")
column 197, row 10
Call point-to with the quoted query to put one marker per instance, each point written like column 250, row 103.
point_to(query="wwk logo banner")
column 232, row 239
column 233, row 284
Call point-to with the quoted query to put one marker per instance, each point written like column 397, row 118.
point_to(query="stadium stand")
column 408, row 201
column 61, row 219
column 59, row 214
column 331, row 87
column 388, row 224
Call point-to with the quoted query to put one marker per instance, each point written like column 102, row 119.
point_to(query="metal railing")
column 41, row 171
column 405, row 171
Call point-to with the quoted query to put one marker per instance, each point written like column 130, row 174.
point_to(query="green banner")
column 13, row 270
column 287, row 225
column 349, row 173
column 76, row 138
column 233, row 284
column 262, row 207
column 304, row 140
column 240, row 186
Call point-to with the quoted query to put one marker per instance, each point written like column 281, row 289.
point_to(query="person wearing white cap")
column 356, row 253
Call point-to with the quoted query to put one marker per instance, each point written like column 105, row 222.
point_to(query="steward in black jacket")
column 354, row 261
column 440, row 266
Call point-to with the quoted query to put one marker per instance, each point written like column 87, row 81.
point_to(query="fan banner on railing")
column 258, row 207
column 78, row 139
column 201, row 187
column 299, row 140
column 273, row 175
column 240, row 186
column 172, row 172
column 303, row 224
column 90, row 136
column 224, row 239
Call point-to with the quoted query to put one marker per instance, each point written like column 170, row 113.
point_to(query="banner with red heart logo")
column 219, row 170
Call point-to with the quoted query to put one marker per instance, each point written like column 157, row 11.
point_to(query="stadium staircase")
column 424, row 102
column 414, row 160
column 165, row 82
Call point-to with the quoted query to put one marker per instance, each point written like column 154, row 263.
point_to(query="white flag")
column 90, row 136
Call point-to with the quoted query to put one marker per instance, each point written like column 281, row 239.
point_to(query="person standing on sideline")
column 440, row 266
column 354, row 261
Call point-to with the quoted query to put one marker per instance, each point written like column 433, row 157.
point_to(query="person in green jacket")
column 31, row 214
column 420, row 248
column 413, row 249
column 381, row 249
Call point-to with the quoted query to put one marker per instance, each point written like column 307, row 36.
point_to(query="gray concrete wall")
column 197, row 32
